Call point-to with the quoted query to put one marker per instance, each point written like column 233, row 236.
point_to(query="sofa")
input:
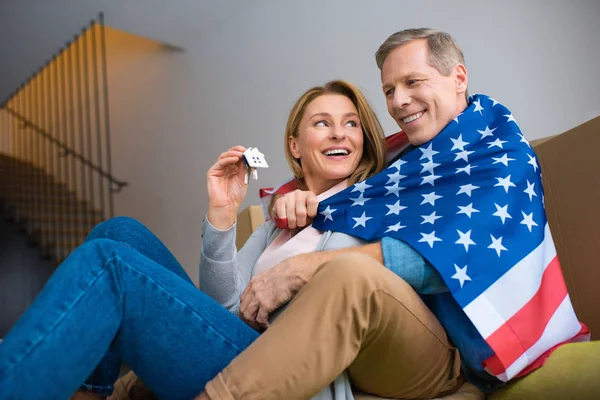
column 571, row 174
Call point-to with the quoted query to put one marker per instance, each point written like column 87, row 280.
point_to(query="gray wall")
column 245, row 62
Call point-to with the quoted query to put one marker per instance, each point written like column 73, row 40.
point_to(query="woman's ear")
column 293, row 143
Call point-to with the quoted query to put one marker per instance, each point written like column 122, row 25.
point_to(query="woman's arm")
column 225, row 272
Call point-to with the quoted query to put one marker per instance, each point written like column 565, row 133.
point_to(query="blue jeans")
column 120, row 296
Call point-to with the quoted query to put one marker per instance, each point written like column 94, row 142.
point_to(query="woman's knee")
column 100, row 250
column 120, row 229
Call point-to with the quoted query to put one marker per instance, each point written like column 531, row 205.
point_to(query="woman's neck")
column 319, row 187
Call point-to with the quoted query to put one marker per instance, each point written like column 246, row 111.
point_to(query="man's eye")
column 321, row 123
column 389, row 92
column 412, row 82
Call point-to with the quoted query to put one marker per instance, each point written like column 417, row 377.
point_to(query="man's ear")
column 461, row 78
column 293, row 143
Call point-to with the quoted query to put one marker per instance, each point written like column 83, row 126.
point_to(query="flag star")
column 327, row 213
column 497, row 143
column 361, row 187
column 528, row 220
column 510, row 118
column 467, row 210
column 362, row 220
column 458, row 144
column 530, row 190
column 533, row 162
column 523, row 139
column 429, row 166
column 466, row 169
column 398, row 164
column 428, row 152
column 464, row 155
column 497, row 245
column 461, row 275
column 504, row 160
column 395, row 227
column 456, row 118
column 494, row 102
column 487, row 132
column 430, row 219
column 478, row 107
column 430, row 179
column 395, row 208
column 430, row 198
column 395, row 177
column 505, row 183
column 502, row 212
column 467, row 189
column 465, row 239
column 394, row 189
column 360, row 200
column 430, row 238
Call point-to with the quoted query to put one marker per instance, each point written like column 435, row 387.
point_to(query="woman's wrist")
column 222, row 218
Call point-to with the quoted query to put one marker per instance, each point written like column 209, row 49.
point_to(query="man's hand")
column 275, row 287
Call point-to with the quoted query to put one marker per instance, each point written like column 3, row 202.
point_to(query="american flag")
column 471, row 202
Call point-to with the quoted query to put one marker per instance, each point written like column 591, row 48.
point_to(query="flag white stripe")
column 563, row 326
column 505, row 297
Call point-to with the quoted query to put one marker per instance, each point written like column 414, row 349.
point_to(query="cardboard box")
column 248, row 220
column 570, row 165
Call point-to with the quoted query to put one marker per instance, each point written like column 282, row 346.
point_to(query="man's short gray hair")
column 444, row 52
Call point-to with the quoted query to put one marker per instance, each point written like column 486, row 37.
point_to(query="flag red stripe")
column 526, row 327
column 582, row 335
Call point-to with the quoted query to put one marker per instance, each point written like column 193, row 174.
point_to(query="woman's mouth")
column 336, row 152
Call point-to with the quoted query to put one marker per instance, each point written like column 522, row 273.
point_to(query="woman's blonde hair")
column 374, row 151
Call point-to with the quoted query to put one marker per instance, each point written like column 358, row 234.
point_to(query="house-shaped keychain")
column 254, row 159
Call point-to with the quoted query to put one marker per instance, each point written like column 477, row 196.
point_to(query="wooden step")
column 66, row 219
column 50, row 185
column 40, row 195
column 48, row 238
column 64, row 200
column 26, row 211
column 63, row 249
column 58, row 207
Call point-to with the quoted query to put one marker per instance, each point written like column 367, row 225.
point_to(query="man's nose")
column 401, row 99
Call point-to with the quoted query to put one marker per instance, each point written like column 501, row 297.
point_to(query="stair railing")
column 55, row 135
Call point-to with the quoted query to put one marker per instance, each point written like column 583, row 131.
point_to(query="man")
column 390, row 341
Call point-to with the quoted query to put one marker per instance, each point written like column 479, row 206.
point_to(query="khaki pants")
column 353, row 315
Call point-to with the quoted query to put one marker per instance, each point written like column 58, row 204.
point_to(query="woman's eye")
column 321, row 123
column 352, row 124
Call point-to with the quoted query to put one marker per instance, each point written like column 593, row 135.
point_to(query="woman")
column 122, row 295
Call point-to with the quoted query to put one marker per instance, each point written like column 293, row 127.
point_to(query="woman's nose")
column 337, row 132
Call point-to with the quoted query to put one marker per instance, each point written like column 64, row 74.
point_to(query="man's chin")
column 420, row 137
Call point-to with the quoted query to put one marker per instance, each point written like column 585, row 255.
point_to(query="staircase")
column 55, row 164
column 49, row 213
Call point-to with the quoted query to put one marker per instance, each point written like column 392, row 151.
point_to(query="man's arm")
column 394, row 254
column 305, row 265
